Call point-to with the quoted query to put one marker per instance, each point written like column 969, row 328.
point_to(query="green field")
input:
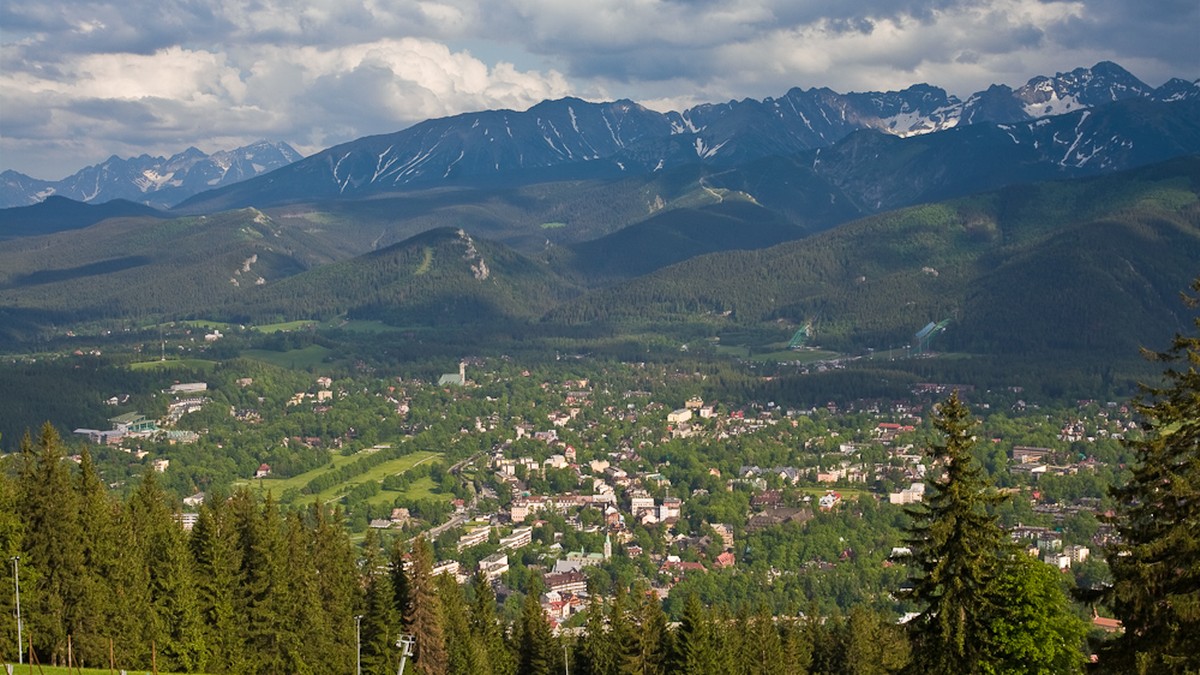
column 396, row 466
column 778, row 353
column 194, row 364
column 362, row 326
column 422, row 488
column 285, row 326
column 308, row 357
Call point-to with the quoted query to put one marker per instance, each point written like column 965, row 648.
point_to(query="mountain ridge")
column 593, row 140
column 160, row 182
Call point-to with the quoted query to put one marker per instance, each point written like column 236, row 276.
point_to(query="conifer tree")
column 535, row 644
column 52, row 558
column 98, row 516
column 1156, row 563
column 215, row 556
column 874, row 646
column 175, row 609
column 309, row 635
column 695, row 648
column 424, row 618
column 464, row 652
column 380, row 619
column 487, row 629
column 650, row 643
column 11, row 531
column 797, row 647
column 594, row 654
column 623, row 632
column 957, row 547
column 263, row 572
column 762, row 646
column 133, row 621
column 337, row 586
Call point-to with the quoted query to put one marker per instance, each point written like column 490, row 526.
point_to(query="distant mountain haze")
column 160, row 182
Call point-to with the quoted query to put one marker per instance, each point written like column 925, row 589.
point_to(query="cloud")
column 318, row 72
column 312, row 96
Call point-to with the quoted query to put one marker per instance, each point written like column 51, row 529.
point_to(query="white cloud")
column 100, row 76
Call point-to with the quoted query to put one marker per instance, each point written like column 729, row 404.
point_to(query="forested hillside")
column 1045, row 265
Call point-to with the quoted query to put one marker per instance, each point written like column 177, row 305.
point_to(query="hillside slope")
column 1087, row 265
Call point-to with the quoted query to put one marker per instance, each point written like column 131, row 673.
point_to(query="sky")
column 81, row 80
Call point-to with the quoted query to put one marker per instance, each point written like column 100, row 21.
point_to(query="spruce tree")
column 424, row 618
column 487, row 629
column 465, row 653
column 217, row 565
column 594, row 653
column 338, row 589
column 535, row 644
column 175, row 608
column 98, row 516
column 1156, row 563
column 380, row 627
column 874, row 646
column 52, row 559
column 696, row 646
column 797, row 646
column 762, row 646
column 11, row 531
column 655, row 636
column 957, row 547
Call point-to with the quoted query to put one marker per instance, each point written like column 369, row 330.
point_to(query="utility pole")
column 358, row 644
column 16, row 559
column 405, row 643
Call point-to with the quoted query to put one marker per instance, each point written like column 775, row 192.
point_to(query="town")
column 616, row 473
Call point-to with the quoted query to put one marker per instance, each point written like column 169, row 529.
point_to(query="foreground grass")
column 57, row 670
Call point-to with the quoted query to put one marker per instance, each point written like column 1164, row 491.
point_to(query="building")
column 829, row 501
column 670, row 508
column 566, row 582
column 909, row 495
column 493, row 566
column 445, row 567
column 521, row 536
column 640, row 501
column 188, row 388
column 679, row 416
column 102, row 437
column 1022, row 454
column 458, row 379
column 474, row 537
column 133, row 423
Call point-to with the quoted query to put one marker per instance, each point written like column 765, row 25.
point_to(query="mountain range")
column 160, row 182
column 1034, row 218
column 571, row 138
